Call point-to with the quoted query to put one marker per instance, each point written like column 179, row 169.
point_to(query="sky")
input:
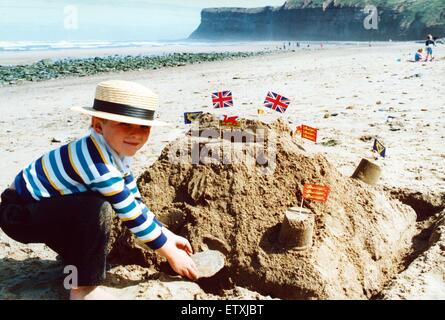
column 121, row 20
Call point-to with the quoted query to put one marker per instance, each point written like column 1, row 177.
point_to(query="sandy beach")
column 352, row 94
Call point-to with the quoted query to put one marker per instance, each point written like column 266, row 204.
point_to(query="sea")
column 20, row 46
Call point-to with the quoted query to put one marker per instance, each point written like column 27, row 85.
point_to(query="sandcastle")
column 359, row 236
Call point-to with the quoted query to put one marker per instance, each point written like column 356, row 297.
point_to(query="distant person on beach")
column 419, row 55
column 429, row 43
column 66, row 198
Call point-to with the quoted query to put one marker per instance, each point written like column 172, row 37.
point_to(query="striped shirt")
column 90, row 164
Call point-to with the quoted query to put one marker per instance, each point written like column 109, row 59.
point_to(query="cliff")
column 340, row 20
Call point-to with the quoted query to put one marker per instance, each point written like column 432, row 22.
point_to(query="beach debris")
column 330, row 143
column 326, row 115
column 396, row 125
column 366, row 138
column 367, row 172
column 416, row 75
column 208, row 262
column 378, row 102
column 55, row 140
column 276, row 102
column 222, row 99
column 297, row 228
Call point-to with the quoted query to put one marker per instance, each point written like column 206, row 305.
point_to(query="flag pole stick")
column 301, row 205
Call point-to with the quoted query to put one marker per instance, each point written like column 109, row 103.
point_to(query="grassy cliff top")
column 430, row 12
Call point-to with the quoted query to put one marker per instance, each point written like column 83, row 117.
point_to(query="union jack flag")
column 276, row 102
column 222, row 99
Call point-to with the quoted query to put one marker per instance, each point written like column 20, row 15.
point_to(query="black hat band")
column 123, row 110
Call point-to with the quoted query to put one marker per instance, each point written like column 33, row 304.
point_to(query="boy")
column 429, row 47
column 61, row 199
column 418, row 57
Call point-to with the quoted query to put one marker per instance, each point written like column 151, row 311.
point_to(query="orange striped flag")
column 316, row 192
column 307, row 132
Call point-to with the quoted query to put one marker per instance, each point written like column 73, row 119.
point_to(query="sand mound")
column 424, row 277
column 237, row 208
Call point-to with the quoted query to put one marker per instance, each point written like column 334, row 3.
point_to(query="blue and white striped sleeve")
column 132, row 212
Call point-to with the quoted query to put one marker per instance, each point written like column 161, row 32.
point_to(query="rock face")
column 360, row 235
column 328, row 20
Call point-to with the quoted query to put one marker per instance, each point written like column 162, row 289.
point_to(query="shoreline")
column 73, row 67
column 13, row 58
column 28, row 57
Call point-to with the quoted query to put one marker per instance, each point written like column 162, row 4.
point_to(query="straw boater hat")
column 124, row 101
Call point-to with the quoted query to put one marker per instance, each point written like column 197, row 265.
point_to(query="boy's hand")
column 183, row 244
column 177, row 250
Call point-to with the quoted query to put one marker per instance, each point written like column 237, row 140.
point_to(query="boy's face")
column 126, row 139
